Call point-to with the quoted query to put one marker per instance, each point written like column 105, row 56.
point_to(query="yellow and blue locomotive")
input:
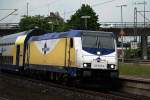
column 74, row 53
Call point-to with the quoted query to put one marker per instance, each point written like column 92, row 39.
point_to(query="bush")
column 132, row 53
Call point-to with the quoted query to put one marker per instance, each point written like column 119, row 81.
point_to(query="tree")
column 30, row 22
column 56, row 21
column 76, row 22
column 53, row 22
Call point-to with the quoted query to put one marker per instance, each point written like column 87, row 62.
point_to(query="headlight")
column 85, row 65
column 98, row 53
column 112, row 66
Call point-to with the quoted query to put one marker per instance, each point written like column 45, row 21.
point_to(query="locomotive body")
column 10, row 52
column 75, row 53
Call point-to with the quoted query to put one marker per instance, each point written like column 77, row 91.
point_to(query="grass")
column 134, row 69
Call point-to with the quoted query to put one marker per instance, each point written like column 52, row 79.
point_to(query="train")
column 74, row 53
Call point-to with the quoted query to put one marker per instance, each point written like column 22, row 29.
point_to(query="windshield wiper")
column 99, row 43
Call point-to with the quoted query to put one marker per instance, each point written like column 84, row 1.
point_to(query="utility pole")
column 142, row 3
column 143, row 38
column 135, row 24
column 52, row 27
column 122, row 32
column 27, row 9
column 85, row 20
column 149, row 3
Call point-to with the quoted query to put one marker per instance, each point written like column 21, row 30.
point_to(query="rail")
column 49, row 88
column 137, row 86
column 124, row 25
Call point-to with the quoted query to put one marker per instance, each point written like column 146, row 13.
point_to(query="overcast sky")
column 107, row 12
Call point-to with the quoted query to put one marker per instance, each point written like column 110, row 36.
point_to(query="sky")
column 105, row 9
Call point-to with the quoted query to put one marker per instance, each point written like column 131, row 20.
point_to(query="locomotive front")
column 99, row 56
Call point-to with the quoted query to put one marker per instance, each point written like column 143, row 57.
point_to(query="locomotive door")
column 20, row 49
column 71, row 60
column 19, row 55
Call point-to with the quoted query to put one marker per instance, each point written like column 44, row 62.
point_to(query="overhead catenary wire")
column 94, row 5
column 55, row 1
column 102, row 3
column 7, row 9
column 145, row 17
column 45, row 5
column 14, row 10
column 8, row 14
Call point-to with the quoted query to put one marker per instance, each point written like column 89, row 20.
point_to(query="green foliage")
column 30, row 22
column 64, row 27
column 76, row 22
column 132, row 53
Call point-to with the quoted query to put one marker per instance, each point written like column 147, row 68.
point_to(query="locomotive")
column 75, row 53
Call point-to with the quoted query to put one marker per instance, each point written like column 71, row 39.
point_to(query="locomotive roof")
column 11, row 38
column 69, row 34
column 37, row 35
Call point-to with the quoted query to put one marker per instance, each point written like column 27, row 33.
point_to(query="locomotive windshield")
column 94, row 42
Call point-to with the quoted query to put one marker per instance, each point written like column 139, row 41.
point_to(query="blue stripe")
column 60, row 69
column 103, row 51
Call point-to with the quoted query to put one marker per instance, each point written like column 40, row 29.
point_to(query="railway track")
column 137, row 86
column 73, row 93
column 2, row 98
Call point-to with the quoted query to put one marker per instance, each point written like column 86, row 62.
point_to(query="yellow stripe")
column 20, row 40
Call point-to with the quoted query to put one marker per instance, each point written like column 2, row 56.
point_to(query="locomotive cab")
column 99, row 54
